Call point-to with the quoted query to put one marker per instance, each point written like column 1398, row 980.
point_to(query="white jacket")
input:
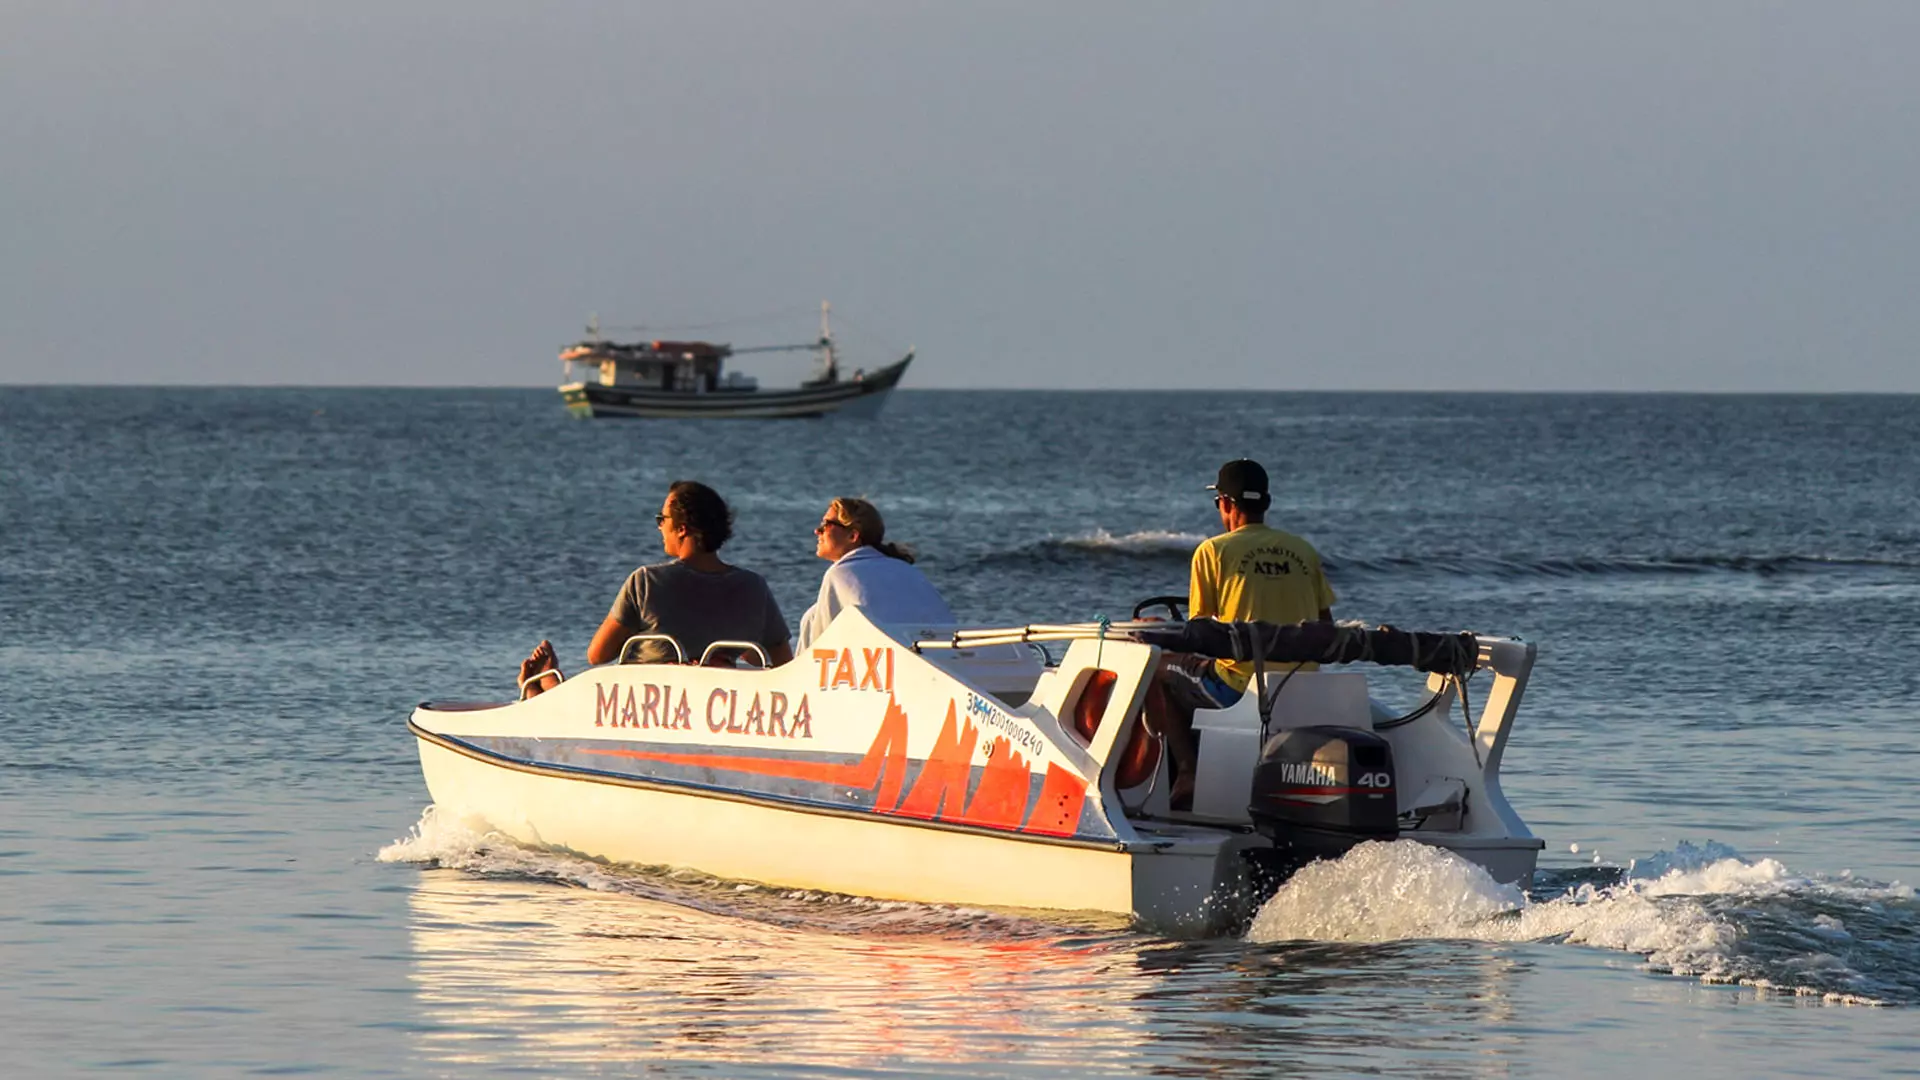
column 891, row 590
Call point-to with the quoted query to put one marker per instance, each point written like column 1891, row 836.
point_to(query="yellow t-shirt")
column 1256, row 572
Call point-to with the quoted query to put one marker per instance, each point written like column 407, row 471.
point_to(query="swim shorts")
column 1193, row 683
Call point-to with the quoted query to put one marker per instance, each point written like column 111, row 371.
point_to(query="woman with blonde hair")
column 869, row 572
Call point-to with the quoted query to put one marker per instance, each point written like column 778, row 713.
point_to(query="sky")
column 1717, row 195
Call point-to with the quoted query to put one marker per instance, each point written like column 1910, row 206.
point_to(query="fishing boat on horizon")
column 674, row 378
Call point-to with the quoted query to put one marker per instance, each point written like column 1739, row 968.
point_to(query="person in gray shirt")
column 694, row 597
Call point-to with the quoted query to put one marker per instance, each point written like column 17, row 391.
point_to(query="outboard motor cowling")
column 1318, row 791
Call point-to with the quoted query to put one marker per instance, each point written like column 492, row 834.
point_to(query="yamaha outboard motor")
column 1317, row 792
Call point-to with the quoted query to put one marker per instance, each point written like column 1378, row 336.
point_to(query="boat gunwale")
column 692, row 790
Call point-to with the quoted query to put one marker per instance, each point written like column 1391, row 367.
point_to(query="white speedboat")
column 965, row 767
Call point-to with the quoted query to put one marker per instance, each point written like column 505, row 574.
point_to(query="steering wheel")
column 1176, row 607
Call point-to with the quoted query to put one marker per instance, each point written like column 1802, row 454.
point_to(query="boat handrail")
column 679, row 653
column 536, row 677
column 1033, row 634
column 1490, row 652
column 752, row 646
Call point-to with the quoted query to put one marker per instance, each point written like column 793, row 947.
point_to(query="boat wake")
column 1699, row 911
column 439, row 841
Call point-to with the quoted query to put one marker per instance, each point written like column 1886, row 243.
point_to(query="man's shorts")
column 1193, row 683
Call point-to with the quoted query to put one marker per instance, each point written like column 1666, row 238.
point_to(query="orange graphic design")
column 940, row 791
column 1000, row 802
column 1057, row 810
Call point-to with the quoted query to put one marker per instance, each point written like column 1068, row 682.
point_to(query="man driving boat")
column 1250, row 572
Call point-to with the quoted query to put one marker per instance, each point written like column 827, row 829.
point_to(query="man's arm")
column 607, row 641
column 614, row 630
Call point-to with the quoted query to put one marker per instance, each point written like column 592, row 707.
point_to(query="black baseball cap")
column 1243, row 480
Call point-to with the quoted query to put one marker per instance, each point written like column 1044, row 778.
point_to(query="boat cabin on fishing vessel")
column 667, row 378
column 969, row 766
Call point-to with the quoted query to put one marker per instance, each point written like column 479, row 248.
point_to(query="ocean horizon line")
column 1037, row 390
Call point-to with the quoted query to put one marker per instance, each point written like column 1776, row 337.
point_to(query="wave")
column 1699, row 911
column 1176, row 548
column 1152, row 545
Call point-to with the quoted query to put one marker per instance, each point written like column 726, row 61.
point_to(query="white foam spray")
column 1146, row 542
column 442, row 839
column 1673, row 909
column 1384, row 892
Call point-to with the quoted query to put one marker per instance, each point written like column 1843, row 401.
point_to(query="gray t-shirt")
column 698, row 609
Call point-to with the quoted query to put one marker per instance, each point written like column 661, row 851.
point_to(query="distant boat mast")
column 831, row 369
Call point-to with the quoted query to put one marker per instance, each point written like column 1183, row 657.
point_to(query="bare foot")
column 541, row 659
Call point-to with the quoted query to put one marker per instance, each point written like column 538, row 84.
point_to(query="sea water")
column 217, row 856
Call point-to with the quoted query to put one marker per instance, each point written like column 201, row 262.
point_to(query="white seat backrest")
column 1308, row 699
column 1320, row 699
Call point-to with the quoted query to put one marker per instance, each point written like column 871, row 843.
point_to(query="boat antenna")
column 593, row 326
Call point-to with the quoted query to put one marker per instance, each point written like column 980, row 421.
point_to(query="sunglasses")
column 825, row 525
column 661, row 519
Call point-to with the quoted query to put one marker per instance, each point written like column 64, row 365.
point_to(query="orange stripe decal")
column 886, row 758
column 939, row 792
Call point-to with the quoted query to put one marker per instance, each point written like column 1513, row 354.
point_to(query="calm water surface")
column 217, row 607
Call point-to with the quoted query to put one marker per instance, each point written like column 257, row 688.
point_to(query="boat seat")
column 742, row 649
column 627, row 648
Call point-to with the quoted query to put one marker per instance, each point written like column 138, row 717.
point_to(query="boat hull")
column 857, row 397
column 1165, row 884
